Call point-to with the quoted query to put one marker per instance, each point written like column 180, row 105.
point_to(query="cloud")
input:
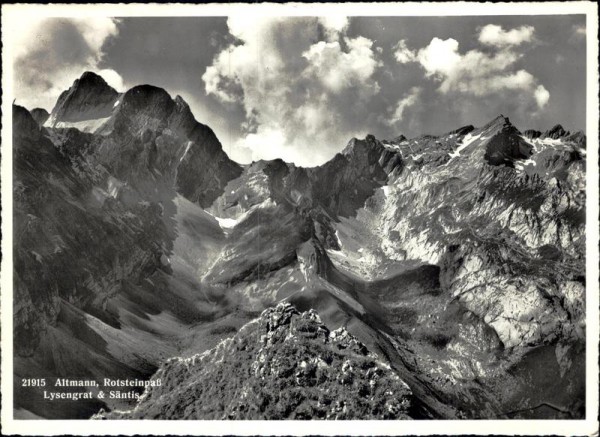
column 578, row 32
column 441, row 58
column 220, row 85
column 300, row 82
column 112, row 78
column 495, row 35
column 541, row 96
column 478, row 73
column 403, row 54
column 334, row 25
column 407, row 101
column 338, row 69
column 49, row 54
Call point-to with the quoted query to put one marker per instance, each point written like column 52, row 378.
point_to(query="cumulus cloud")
column 479, row 73
column 406, row 102
column 495, row 35
column 338, row 69
column 403, row 54
column 50, row 53
column 440, row 58
column 300, row 81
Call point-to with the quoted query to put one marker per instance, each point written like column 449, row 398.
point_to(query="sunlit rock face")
column 450, row 266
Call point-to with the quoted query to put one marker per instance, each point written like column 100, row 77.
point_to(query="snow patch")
column 466, row 142
column 541, row 143
column 522, row 163
column 114, row 185
column 89, row 126
column 227, row 222
column 390, row 146
column 232, row 222
column 187, row 149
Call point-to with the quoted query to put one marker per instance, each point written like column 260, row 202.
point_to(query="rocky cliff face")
column 458, row 259
column 492, row 216
column 96, row 223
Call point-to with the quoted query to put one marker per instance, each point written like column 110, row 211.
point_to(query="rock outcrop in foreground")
column 283, row 365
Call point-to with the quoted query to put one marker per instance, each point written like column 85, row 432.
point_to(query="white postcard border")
column 11, row 16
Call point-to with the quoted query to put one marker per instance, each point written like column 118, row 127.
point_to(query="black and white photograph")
column 258, row 214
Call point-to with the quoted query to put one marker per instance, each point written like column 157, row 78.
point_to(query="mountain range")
column 437, row 277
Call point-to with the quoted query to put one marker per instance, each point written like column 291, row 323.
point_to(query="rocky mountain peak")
column 497, row 124
column 89, row 98
column 141, row 96
column 40, row 115
column 399, row 139
column 503, row 142
column 356, row 145
column 24, row 124
column 462, row 130
column 532, row 134
column 146, row 107
column 179, row 101
column 556, row 132
column 90, row 80
column 578, row 138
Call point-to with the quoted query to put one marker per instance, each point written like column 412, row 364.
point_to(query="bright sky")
column 300, row 88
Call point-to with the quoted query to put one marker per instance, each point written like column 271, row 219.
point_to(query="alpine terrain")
column 437, row 277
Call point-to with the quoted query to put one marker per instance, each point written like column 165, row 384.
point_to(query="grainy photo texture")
column 316, row 217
